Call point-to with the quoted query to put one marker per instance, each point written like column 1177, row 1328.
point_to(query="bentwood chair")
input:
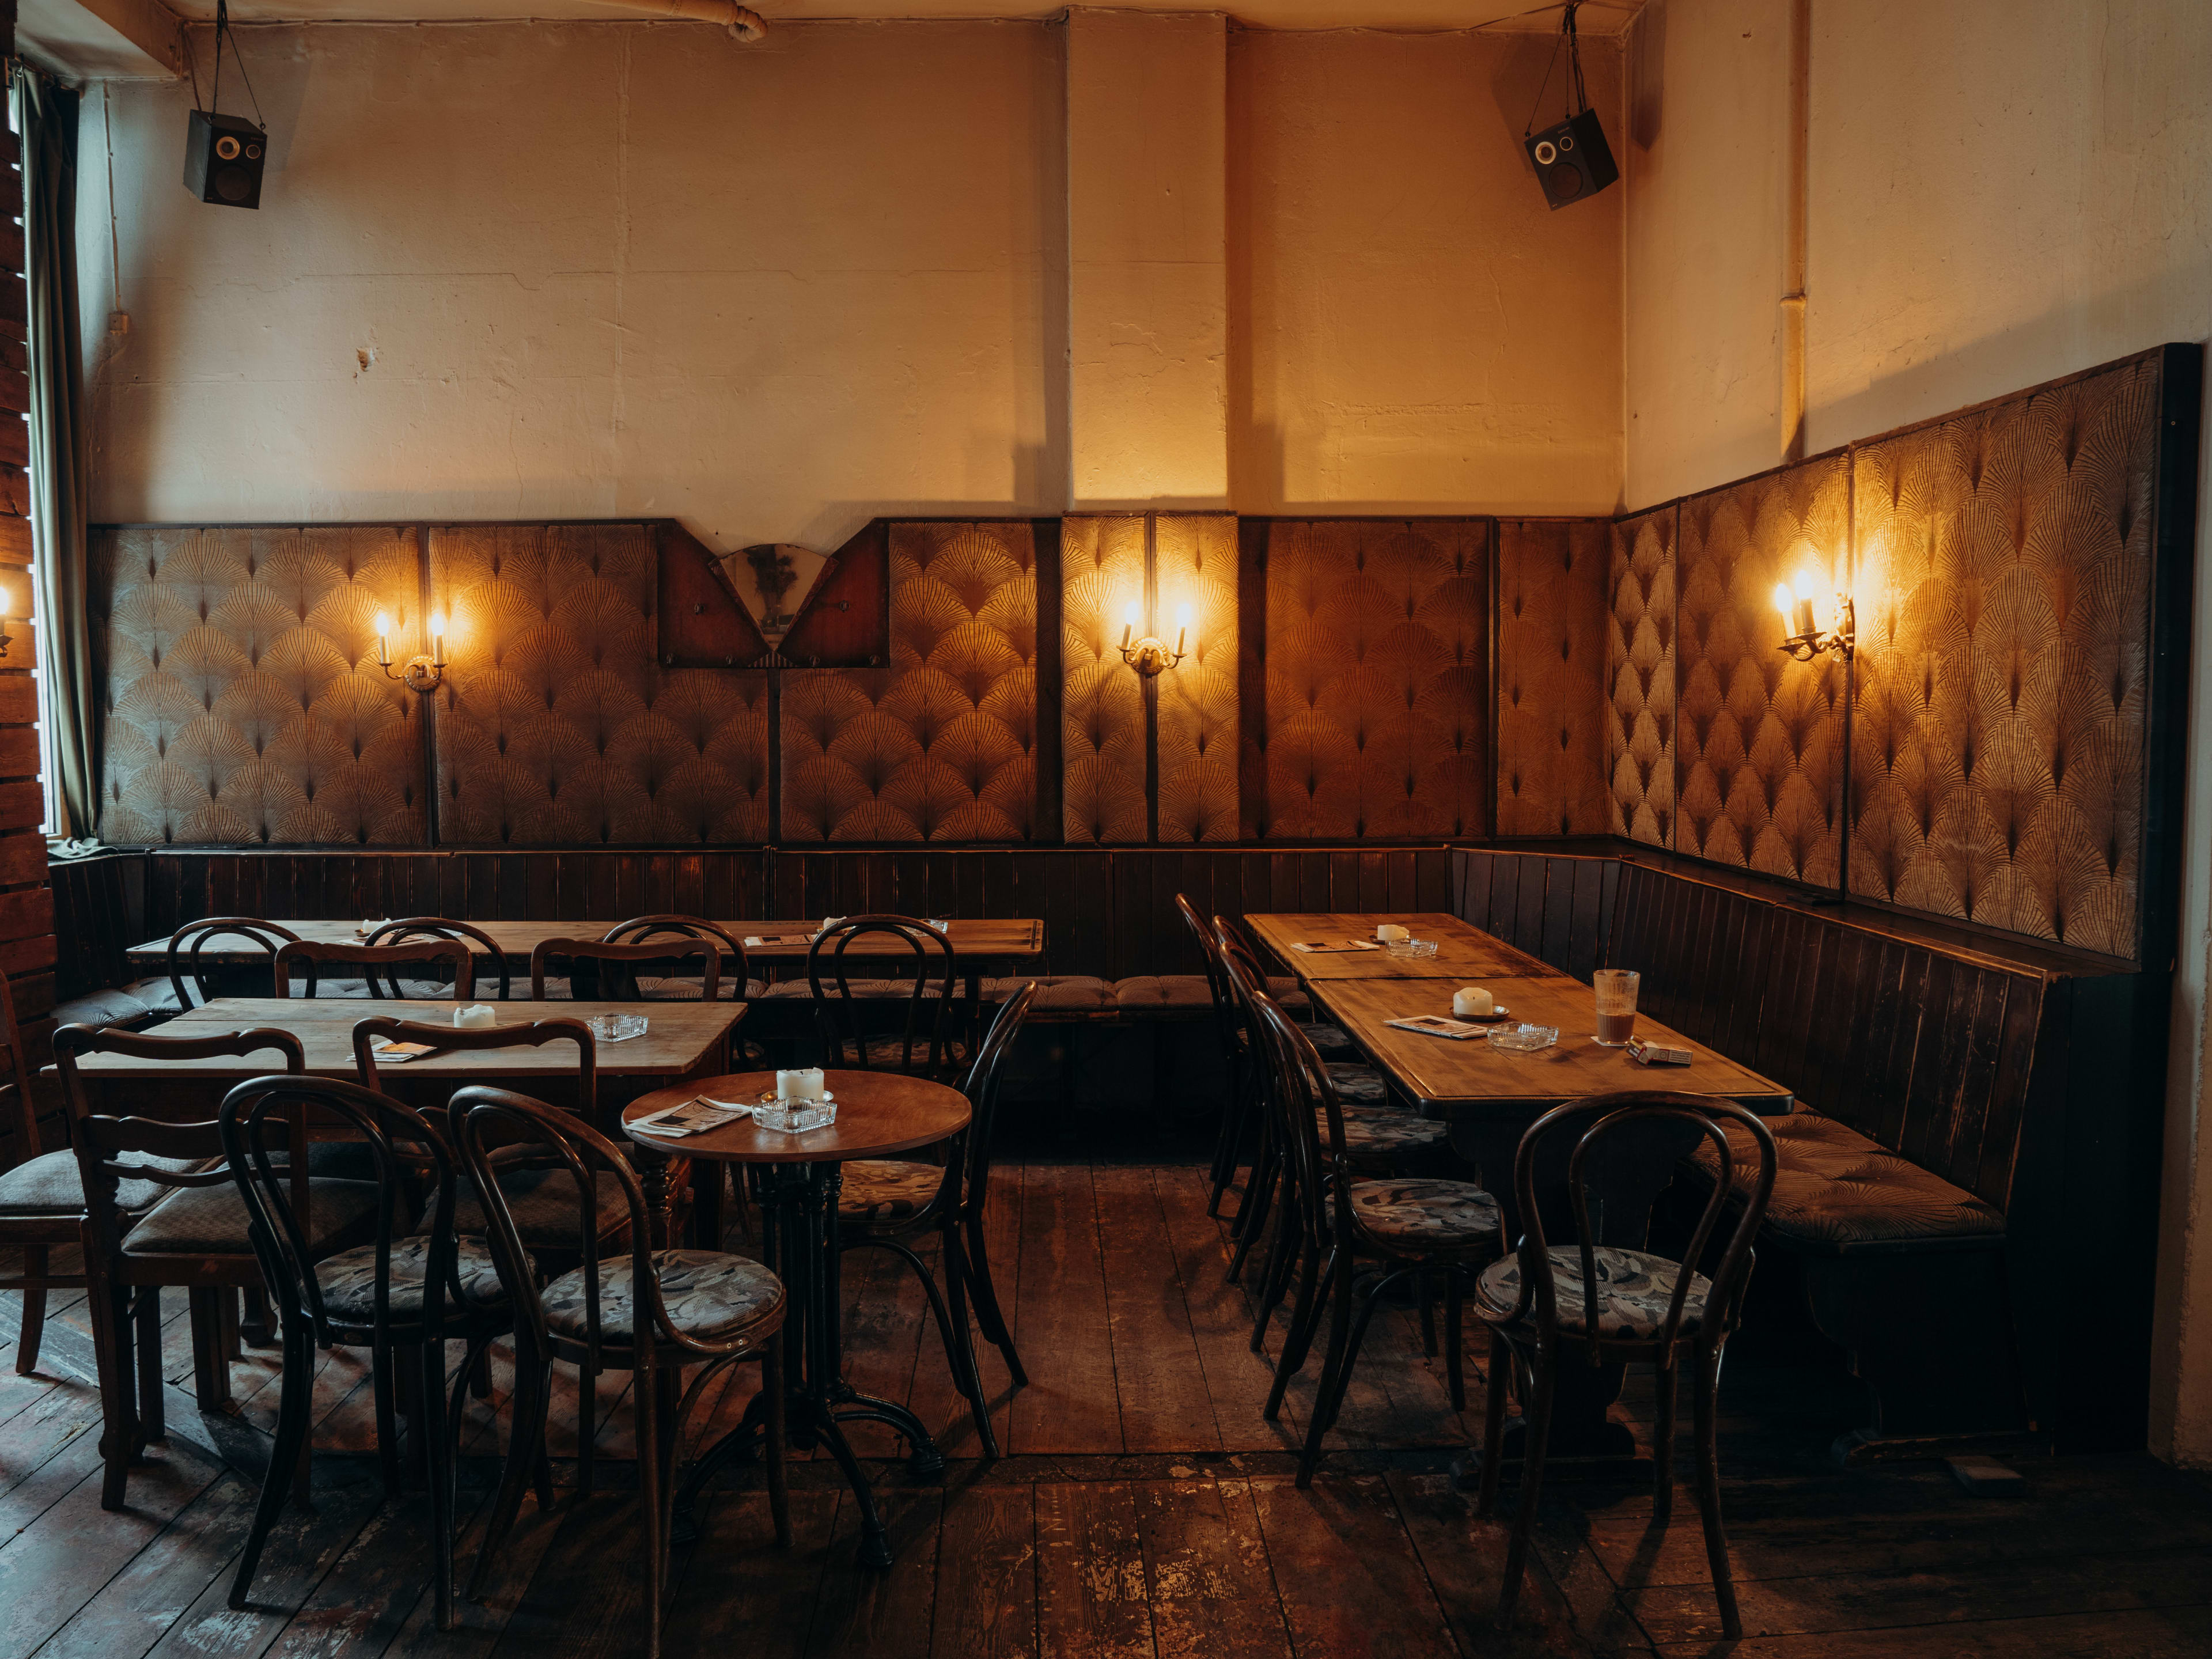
column 885, row 1204
column 897, row 1022
column 1402, row 1228
column 456, row 962
column 1549, row 1304
column 410, row 928
column 534, row 1186
column 189, row 943
column 618, row 966
column 643, row 930
column 160, row 1210
column 403, row 1295
column 647, row 1311
column 41, row 1198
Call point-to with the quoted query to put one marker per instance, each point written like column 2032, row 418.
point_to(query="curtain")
column 46, row 121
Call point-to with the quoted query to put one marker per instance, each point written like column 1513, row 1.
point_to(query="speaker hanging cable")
column 215, row 92
column 1578, row 98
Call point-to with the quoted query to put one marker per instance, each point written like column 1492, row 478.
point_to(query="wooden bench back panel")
column 1927, row 1053
column 1555, row 905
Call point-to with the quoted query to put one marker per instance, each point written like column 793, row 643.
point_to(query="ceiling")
column 1602, row 17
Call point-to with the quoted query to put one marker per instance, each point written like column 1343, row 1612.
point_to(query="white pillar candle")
column 476, row 1017
column 1389, row 931
column 805, row 1085
column 1474, row 1000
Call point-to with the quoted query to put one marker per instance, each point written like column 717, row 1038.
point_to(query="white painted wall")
column 1997, row 196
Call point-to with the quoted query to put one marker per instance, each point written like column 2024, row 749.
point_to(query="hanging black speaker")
column 1572, row 159
column 223, row 156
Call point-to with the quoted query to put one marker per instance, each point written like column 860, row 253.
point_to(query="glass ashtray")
column 1411, row 948
column 795, row 1117
column 1524, row 1039
column 617, row 1028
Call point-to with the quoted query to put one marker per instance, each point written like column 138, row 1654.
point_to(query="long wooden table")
column 1464, row 952
column 1490, row 1098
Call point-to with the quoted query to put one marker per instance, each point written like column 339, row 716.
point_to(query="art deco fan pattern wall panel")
column 555, row 727
column 1639, row 665
column 1759, row 737
column 940, row 745
column 2004, row 607
column 246, row 704
column 1377, row 678
column 1551, row 594
column 1102, row 704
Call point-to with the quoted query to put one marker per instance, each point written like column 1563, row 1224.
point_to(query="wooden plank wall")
column 26, row 907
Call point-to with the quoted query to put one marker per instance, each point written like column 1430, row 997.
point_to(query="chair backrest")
column 1295, row 1086
column 640, row 930
column 110, row 1150
column 1603, row 1117
column 842, row 1017
column 1226, row 1019
column 27, row 1140
column 314, row 955
column 412, row 1169
column 414, row 927
column 982, row 1088
column 485, row 1121
column 189, row 941
column 620, row 985
column 535, row 1035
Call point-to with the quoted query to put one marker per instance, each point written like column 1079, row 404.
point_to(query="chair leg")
column 110, row 1333
column 1339, row 1338
column 772, row 1447
column 254, row 1323
column 526, row 1450
column 1546, row 1368
column 1493, row 1424
column 955, row 1295
column 985, row 1295
column 153, row 1416
column 1252, row 1213
column 383, row 1389
column 1707, row 1391
column 1427, row 1290
column 1664, row 1391
column 1455, row 1339
column 298, row 1388
column 1230, row 1140
column 430, row 1431
column 587, row 1427
column 211, row 1363
column 650, row 1486
column 1298, row 1341
column 1274, row 1276
column 34, row 1309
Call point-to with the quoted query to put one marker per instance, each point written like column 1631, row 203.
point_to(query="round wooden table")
column 797, row 1178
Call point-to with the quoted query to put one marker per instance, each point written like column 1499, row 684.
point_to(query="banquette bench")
column 1967, row 1186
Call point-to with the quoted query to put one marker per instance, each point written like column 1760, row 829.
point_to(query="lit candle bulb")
column 1807, row 627
column 438, row 637
column 384, row 638
column 1182, row 626
column 1129, row 619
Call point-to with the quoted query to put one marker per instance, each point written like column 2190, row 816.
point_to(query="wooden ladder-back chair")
column 187, row 946
column 41, row 1196
column 1548, row 1303
column 403, row 1294
column 160, row 1210
column 848, row 1015
column 650, row 1312
column 369, row 961
column 408, row 929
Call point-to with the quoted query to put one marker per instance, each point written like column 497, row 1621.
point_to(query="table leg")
column 651, row 1166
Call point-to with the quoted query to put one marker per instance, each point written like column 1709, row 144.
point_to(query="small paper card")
column 694, row 1116
column 1329, row 947
column 1657, row 1054
column 1437, row 1025
column 779, row 938
column 399, row 1053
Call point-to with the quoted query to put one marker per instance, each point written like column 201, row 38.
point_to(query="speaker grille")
column 1564, row 181
column 232, row 184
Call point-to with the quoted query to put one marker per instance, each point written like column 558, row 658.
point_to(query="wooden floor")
column 1143, row 1507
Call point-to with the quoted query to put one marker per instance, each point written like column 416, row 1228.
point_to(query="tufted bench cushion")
column 1837, row 1192
column 901, row 989
column 131, row 1007
column 1057, row 994
column 1163, row 994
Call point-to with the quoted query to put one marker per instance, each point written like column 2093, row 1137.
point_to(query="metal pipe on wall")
column 1793, row 235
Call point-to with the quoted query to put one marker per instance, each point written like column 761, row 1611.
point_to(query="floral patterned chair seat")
column 1424, row 1217
column 710, row 1296
column 1634, row 1289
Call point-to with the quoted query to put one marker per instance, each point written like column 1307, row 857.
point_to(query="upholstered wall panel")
column 1102, row 707
column 555, row 727
column 1378, row 679
column 1639, row 665
column 2003, row 604
column 940, row 745
column 1759, row 737
column 1195, row 564
column 245, row 702
column 1552, row 594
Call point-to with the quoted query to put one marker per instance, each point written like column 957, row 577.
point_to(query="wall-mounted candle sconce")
column 6, row 606
column 421, row 673
column 1803, row 638
column 1148, row 656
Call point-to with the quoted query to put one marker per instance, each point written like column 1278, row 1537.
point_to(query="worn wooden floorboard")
column 1071, row 1405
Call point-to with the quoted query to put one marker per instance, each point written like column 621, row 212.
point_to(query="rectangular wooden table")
column 1464, row 952
column 1450, row 1080
column 681, row 1037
